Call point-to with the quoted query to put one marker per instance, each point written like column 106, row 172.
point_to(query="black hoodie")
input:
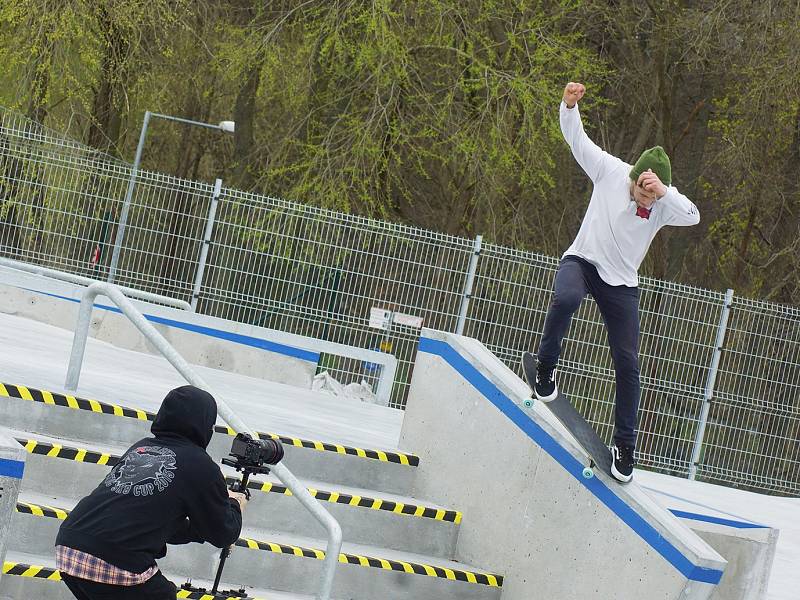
column 165, row 489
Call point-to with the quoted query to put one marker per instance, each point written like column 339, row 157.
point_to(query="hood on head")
column 189, row 412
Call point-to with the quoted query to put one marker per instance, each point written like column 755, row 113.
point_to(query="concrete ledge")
column 528, row 511
column 749, row 549
column 202, row 340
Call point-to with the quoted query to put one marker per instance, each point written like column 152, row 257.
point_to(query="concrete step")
column 61, row 472
column 275, row 560
column 294, row 563
column 62, row 415
column 28, row 576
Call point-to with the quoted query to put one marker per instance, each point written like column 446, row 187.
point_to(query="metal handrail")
column 87, row 281
column 176, row 360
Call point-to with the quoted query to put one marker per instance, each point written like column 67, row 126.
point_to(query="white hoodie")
column 612, row 237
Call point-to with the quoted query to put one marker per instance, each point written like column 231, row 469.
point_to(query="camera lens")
column 271, row 451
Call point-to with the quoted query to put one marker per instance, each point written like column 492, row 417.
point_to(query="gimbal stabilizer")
column 249, row 456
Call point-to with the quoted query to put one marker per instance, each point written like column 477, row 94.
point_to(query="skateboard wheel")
column 588, row 472
column 527, row 403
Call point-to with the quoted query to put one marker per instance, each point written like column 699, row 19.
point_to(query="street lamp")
column 224, row 126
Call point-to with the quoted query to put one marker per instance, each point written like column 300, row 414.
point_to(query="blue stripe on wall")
column 549, row 444
column 11, row 468
column 716, row 520
column 237, row 338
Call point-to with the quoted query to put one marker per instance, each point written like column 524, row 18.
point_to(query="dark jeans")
column 619, row 306
column 157, row 587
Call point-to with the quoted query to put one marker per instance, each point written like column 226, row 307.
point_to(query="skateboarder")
column 629, row 204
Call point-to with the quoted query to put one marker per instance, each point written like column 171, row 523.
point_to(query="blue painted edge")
column 716, row 520
column 543, row 439
column 11, row 468
column 237, row 338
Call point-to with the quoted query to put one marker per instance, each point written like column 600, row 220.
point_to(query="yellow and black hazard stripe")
column 67, row 452
column 352, row 559
column 400, row 458
column 39, row 510
column 9, row 390
column 23, row 570
column 399, row 508
column 39, row 572
column 489, row 579
column 55, row 399
column 205, row 596
column 87, row 456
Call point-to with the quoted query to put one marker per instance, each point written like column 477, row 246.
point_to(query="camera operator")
column 164, row 490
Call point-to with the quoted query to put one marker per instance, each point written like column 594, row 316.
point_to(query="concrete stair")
column 31, row 576
column 396, row 546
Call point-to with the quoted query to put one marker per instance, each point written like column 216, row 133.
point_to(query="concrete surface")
column 234, row 347
column 749, row 549
column 518, row 478
column 32, row 353
column 12, row 470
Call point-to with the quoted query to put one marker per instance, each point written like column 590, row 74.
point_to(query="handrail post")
column 225, row 412
column 711, row 381
column 386, row 380
column 79, row 338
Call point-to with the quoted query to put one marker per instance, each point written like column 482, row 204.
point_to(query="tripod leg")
column 222, row 558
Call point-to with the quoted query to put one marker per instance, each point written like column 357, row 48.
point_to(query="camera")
column 249, row 456
column 253, row 454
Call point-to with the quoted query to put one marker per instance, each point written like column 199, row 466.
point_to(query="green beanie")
column 656, row 159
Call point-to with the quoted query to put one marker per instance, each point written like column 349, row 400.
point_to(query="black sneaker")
column 545, row 387
column 622, row 467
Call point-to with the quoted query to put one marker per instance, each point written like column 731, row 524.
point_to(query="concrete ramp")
column 517, row 477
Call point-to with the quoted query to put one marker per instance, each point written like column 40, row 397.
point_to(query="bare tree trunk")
column 106, row 123
column 740, row 273
column 244, row 138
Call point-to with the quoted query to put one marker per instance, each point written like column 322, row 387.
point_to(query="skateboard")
column 598, row 454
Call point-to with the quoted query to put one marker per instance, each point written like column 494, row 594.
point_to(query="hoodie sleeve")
column 678, row 209
column 185, row 534
column 592, row 159
column 214, row 517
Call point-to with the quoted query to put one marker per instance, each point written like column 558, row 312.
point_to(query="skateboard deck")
column 598, row 454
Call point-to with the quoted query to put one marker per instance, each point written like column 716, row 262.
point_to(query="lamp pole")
column 224, row 126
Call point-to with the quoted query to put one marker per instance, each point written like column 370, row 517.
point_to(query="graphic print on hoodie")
column 144, row 471
column 165, row 489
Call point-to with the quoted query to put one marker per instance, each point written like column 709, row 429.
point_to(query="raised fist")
column 573, row 92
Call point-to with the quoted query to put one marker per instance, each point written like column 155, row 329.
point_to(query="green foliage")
column 442, row 113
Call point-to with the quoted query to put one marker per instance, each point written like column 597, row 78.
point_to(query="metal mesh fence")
column 678, row 329
column 318, row 273
column 753, row 434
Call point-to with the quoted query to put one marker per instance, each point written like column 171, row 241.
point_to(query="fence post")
column 201, row 263
column 126, row 205
column 465, row 297
column 708, row 394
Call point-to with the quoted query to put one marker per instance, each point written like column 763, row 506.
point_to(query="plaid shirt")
column 85, row 566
